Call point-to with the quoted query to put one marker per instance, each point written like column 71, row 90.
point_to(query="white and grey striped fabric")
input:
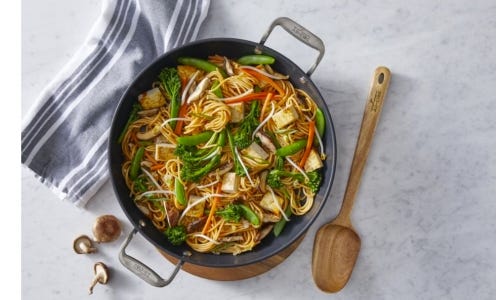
column 64, row 136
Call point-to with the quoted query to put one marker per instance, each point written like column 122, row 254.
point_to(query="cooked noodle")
column 155, row 182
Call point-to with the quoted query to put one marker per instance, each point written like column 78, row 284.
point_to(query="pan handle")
column 144, row 272
column 300, row 33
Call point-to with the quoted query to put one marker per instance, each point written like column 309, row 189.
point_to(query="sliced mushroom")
column 107, row 228
column 270, row 218
column 263, row 178
column 233, row 238
column 196, row 225
column 263, row 233
column 148, row 112
column 223, row 169
column 101, row 275
column 200, row 88
column 83, row 245
column 266, row 141
column 149, row 134
column 228, row 67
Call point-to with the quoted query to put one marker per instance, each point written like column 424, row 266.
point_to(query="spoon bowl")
column 337, row 245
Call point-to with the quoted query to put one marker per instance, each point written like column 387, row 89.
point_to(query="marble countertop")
column 425, row 209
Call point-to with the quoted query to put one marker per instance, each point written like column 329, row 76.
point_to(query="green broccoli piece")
column 195, row 172
column 313, row 180
column 230, row 213
column 243, row 136
column 171, row 83
column 176, row 235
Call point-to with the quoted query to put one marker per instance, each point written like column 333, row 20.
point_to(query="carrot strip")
column 149, row 157
column 182, row 113
column 212, row 209
column 266, row 79
column 266, row 103
column 156, row 167
column 310, row 139
column 254, row 96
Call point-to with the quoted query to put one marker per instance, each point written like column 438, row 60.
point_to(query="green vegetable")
column 133, row 116
column 320, row 122
column 278, row 227
column 256, row 59
column 176, row 235
column 180, row 193
column 249, row 214
column 193, row 140
column 232, row 212
column 313, row 180
column 171, row 84
column 243, row 136
column 201, row 64
column 238, row 168
column 194, row 172
column 140, row 184
column 292, row 148
column 217, row 91
column 135, row 165
column 194, row 160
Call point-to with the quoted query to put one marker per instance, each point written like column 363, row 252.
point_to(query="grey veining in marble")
column 425, row 210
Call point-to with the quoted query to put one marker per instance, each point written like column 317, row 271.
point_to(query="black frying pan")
column 232, row 48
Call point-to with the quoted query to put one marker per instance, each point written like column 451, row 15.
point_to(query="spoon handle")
column 373, row 107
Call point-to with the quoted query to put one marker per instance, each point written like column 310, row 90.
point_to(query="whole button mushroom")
column 101, row 275
column 83, row 245
column 107, row 228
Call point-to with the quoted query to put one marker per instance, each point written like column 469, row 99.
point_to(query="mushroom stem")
column 95, row 280
column 86, row 248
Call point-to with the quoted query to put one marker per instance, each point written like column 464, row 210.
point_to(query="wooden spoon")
column 337, row 244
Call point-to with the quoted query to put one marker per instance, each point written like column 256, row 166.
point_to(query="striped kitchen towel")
column 64, row 136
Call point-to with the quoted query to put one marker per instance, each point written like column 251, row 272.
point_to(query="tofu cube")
column 230, row 183
column 237, row 112
column 269, row 204
column 255, row 151
column 285, row 117
column 164, row 152
column 152, row 99
column 313, row 161
column 197, row 210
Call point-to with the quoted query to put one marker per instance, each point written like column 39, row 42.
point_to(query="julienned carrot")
column 266, row 103
column 149, row 157
column 212, row 209
column 156, row 167
column 266, row 79
column 310, row 139
column 253, row 96
column 182, row 114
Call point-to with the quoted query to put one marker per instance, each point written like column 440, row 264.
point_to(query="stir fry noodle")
column 221, row 152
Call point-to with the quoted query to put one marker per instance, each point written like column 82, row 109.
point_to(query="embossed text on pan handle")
column 300, row 33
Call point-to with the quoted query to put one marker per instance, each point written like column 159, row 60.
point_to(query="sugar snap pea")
column 292, row 148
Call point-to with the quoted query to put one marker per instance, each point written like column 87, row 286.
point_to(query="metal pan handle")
column 300, row 33
column 144, row 272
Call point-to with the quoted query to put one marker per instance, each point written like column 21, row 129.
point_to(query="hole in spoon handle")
column 378, row 89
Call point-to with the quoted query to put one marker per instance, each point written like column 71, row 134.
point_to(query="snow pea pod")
column 256, row 59
column 249, row 214
column 292, row 148
column 201, row 64
column 136, row 163
column 193, row 140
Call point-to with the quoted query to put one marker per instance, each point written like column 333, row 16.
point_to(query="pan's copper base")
column 237, row 273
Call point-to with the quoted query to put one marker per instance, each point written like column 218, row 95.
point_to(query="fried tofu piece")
column 313, row 161
column 285, row 117
column 152, row 99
